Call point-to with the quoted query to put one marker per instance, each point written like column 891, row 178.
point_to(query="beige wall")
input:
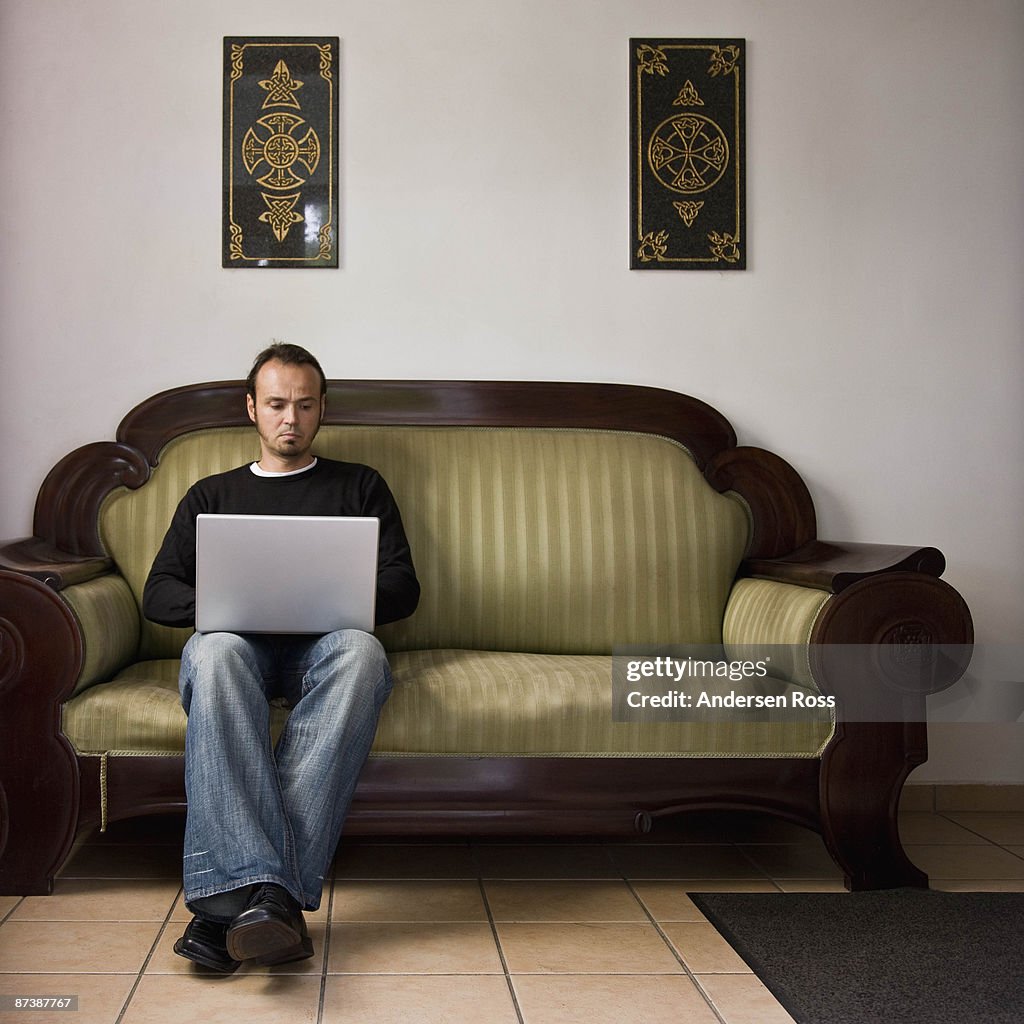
column 875, row 341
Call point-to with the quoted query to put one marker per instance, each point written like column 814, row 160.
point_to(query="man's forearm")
column 398, row 594
column 169, row 601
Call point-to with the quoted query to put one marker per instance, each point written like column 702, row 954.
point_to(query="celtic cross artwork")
column 687, row 160
column 280, row 152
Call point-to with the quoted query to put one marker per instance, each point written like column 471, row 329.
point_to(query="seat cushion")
column 452, row 702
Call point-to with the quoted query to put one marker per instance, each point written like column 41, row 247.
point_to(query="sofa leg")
column 862, row 775
column 40, row 655
column 36, row 809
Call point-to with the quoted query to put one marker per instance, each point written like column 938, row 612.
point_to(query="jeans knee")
column 212, row 660
column 203, row 647
column 355, row 643
column 362, row 655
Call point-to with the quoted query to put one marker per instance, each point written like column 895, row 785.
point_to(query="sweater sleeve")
column 398, row 589
column 169, row 597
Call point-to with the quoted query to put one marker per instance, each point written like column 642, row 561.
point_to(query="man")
column 263, row 820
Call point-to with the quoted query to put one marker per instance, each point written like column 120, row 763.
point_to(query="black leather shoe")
column 205, row 943
column 271, row 930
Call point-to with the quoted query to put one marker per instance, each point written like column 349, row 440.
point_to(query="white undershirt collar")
column 255, row 467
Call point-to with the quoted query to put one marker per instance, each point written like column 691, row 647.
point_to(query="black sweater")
column 330, row 488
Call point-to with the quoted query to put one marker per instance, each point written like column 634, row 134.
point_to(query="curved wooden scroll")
column 780, row 504
column 67, row 508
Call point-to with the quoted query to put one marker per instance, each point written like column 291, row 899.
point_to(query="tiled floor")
column 481, row 932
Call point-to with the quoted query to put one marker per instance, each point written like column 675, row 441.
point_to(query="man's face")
column 287, row 411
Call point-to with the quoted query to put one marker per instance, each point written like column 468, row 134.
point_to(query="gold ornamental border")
column 327, row 74
column 655, row 243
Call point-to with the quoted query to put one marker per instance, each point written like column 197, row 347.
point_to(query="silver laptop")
column 285, row 574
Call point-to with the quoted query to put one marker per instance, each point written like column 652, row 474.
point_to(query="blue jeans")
column 260, row 812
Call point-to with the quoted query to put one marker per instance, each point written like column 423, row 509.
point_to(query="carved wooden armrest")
column 34, row 557
column 888, row 633
column 834, row 566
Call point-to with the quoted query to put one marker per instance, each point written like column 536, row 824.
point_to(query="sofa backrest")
column 524, row 539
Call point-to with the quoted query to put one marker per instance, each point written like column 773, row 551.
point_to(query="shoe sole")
column 301, row 951
column 190, row 952
column 267, row 942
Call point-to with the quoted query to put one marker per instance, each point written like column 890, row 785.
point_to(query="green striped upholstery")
column 108, row 614
column 539, row 551
column 763, row 613
column 449, row 702
column 468, row 702
column 549, row 541
column 138, row 710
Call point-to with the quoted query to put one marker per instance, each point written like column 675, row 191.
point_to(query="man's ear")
column 250, row 407
column 323, row 407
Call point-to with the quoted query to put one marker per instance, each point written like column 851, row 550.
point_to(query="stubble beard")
column 287, row 449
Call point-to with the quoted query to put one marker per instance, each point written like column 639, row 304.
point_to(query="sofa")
column 552, row 526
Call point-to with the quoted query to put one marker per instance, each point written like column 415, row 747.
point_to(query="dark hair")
column 290, row 355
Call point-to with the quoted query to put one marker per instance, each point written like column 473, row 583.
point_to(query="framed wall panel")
column 688, row 156
column 280, row 206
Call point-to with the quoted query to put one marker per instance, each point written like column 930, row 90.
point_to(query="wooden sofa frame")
column 884, row 594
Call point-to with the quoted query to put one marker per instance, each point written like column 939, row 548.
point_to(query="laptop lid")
column 285, row 574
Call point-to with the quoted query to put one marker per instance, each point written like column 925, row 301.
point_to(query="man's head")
column 289, row 355
column 285, row 396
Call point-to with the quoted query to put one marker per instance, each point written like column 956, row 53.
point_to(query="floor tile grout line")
column 672, row 949
column 501, row 953
column 757, row 867
column 149, row 957
column 327, row 950
column 7, row 916
column 973, row 832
